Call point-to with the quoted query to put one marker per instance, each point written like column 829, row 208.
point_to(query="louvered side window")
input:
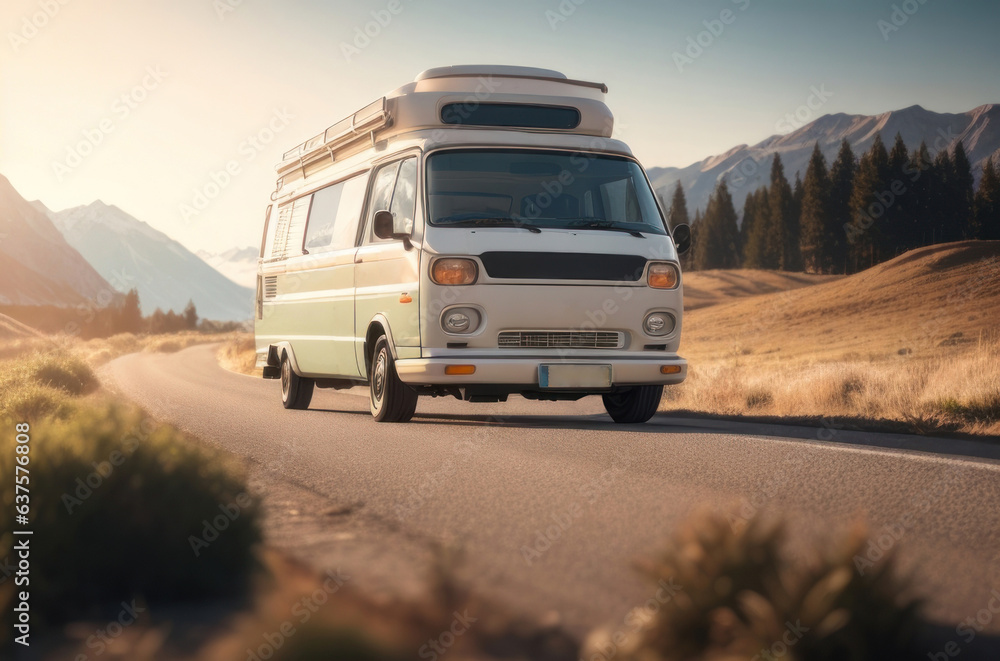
column 290, row 228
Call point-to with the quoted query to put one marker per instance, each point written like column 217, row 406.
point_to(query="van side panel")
column 388, row 282
column 317, row 313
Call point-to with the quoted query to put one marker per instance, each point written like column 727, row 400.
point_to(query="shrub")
column 116, row 500
column 735, row 598
column 29, row 402
column 63, row 371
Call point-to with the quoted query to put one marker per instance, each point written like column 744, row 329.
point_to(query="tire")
column 391, row 399
column 296, row 391
column 633, row 405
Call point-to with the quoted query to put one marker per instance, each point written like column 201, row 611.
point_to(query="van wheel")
column 296, row 391
column 391, row 399
column 633, row 405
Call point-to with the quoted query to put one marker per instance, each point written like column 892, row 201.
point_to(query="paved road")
column 496, row 476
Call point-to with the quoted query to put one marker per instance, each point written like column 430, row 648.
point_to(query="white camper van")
column 475, row 233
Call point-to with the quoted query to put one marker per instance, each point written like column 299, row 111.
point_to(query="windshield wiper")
column 500, row 221
column 595, row 224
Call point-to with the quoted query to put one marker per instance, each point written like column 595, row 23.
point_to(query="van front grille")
column 563, row 266
column 561, row 340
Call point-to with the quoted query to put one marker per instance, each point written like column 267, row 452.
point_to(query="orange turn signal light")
column 405, row 298
column 453, row 370
column 663, row 275
column 670, row 369
column 454, row 271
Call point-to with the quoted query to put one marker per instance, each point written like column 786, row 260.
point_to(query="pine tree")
column 920, row 223
column 131, row 313
column 894, row 234
column 869, row 205
column 963, row 194
column 746, row 225
column 688, row 259
column 944, row 199
column 783, row 246
column 841, row 188
column 718, row 243
column 815, row 241
column 190, row 315
column 762, row 248
column 987, row 203
column 678, row 214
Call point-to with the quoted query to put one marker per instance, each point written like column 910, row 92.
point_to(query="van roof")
column 446, row 97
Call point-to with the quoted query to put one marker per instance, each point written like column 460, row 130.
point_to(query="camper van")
column 475, row 233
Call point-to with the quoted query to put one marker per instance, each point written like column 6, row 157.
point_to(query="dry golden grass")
column 239, row 354
column 705, row 288
column 913, row 342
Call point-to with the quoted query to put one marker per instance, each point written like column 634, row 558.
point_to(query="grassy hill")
column 705, row 288
column 913, row 344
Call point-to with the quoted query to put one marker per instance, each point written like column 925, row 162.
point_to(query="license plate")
column 574, row 376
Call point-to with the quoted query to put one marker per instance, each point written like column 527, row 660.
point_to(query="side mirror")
column 384, row 227
column 682, row 238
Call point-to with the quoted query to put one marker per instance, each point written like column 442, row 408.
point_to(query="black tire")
column 296, row 391
column 391, row 399
column 633, row 405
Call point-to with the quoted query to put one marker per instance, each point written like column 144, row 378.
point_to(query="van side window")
column 381, row 195
column 290, row 227
column 334, row 215
column 267, row 239
column 404, row 197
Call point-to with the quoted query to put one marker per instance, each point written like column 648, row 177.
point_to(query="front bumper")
column 523, row 371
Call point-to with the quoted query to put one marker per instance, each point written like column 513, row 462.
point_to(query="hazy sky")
column 172, row 91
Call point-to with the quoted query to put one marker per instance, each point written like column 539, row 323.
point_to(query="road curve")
column 496, row 477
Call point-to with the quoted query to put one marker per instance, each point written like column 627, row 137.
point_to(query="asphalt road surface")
column 553, row 503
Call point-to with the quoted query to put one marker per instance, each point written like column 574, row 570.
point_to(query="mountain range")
column 746, row 168
column 237, row 264
column 129, row 253
column 39, row 266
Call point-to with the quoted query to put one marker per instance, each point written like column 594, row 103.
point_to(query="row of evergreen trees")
column 125, row 316
column 848, row 216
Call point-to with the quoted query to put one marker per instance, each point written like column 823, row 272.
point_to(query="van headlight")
column 461, row 321
column 663, row 275
column 659, row 323
column 454, row 271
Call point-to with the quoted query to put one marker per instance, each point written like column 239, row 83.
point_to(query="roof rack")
column 359, row 125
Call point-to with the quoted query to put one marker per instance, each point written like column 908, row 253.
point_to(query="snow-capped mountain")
column 129, row 253
column 237, row 264
column 746, row 168
column 39, row 266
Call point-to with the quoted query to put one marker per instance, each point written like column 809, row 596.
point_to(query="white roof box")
column 469, row 96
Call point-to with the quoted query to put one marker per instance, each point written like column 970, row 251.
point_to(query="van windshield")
column 529, row 188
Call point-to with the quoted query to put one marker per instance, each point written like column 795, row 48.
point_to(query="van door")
column 386, row 273
column 324, row 344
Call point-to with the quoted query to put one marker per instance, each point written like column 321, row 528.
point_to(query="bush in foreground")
column 732, row 597
column 124, row 507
